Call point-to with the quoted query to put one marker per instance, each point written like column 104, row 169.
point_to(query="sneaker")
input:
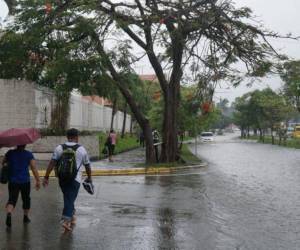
column 26, row 220
column 8, row 220
column 88, row 186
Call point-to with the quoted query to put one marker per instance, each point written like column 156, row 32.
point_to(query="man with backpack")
column 68, row 160
column 155, row 136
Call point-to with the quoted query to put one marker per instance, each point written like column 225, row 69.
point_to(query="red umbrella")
column 18, row 136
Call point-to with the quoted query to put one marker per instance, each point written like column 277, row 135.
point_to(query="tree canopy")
column 179, row 38
column 262, row 110
column 290, row 74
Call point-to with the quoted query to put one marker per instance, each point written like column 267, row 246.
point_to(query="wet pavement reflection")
column 247, row 198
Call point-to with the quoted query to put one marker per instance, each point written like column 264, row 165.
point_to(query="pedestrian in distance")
column 155, row 136
column 68, row 160
column 18, row 162
column 142, row 139
column 111, row 144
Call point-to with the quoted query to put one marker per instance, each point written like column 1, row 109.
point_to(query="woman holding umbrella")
column 18, row 161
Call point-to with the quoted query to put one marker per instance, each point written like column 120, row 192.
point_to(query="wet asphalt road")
column 248, row 198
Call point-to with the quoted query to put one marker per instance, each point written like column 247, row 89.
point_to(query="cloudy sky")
column 277, row 15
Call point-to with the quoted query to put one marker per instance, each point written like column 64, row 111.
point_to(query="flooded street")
column 247, row 198
column 253, row 190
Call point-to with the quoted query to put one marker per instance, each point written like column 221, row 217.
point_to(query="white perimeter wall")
column 17, row 104
column 24, row 104
column 87, row 115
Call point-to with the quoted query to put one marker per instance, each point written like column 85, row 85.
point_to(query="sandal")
column 67, row 225
column 73, row 221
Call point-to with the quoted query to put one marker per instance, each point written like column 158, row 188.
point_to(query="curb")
column 132, row 171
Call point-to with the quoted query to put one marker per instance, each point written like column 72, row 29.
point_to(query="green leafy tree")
column 170, row 33
column 225, row 111
column 274, row 108
column 242, row 115
column 290, row 74
column 261, row 109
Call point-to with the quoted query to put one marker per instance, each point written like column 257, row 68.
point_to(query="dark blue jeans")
column 70, row 191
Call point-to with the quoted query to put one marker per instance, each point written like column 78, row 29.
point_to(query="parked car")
column 207, row 137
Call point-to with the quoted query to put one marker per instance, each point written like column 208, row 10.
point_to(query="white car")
column 207, row 137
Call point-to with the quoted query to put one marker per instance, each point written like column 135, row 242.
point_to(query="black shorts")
column 13, row 194
column 111, row 149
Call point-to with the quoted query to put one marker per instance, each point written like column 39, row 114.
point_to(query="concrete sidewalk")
column 124, row 160
column 127, row 163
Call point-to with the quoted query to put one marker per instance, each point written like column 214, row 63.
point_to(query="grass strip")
column 290, row 142
column 187, row 158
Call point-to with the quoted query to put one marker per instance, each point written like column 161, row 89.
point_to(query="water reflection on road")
column 254, row 192
column 247, row 198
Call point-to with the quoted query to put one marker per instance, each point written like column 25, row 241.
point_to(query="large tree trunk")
column 142, row 121
column 260, row 134
column 170, row 151
column 124, row 120
column 60, row 113
column 139, row 116
column 11, row 4
column 144, row 124
column 243, row 133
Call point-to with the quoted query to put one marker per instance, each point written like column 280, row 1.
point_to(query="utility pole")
column 196, row 131
column 196, row 137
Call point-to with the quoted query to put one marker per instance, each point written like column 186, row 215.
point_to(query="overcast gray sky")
column 277, row 15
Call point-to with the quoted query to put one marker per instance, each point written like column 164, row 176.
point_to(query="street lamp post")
column 196, row 141
column 199, row 113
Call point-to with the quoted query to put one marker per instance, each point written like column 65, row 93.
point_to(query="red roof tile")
column 148, row 78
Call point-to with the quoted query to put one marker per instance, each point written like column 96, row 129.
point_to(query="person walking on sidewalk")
column 142, row 139
column 68, row 160
column 112, row 141
column 18, row 161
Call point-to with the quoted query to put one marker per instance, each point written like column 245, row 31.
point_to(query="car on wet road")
column 207, row 137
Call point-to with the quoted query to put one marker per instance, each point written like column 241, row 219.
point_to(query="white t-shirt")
column 82, row 158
